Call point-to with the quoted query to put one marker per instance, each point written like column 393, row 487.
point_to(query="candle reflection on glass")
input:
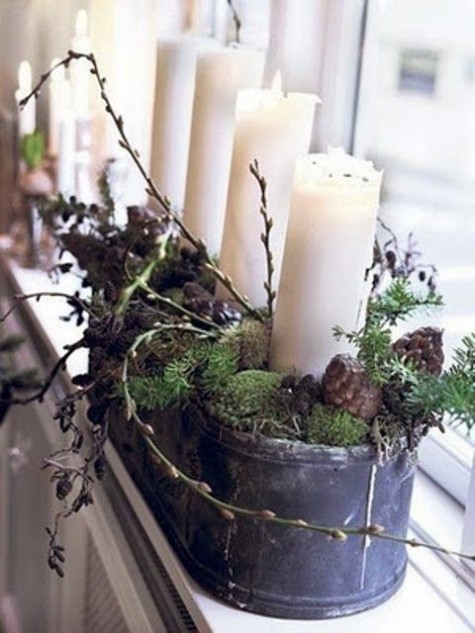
column 27, row 115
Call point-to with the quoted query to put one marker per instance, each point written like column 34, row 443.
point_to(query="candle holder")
column 284, row 493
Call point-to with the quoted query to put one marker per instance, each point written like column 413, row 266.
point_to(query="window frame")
column 448, row 459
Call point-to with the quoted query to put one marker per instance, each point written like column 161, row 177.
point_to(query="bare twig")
column 236, row 20
column 151, row 187
column 59, row 365
column 19, row 299
column 265, row 236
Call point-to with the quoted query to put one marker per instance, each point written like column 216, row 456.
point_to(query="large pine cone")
column 423, row 348
column 346, row 385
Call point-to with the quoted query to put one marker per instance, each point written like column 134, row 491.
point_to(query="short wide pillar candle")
column 273, row 129
column 219, row 76
column 329, row 247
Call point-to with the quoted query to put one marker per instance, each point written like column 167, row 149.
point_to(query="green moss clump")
column 246, row 403
column 250, row 341
column 334, row 427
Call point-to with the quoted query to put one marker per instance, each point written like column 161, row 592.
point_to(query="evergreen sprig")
column 221, row 364
column 453, row 393
column 399, row 301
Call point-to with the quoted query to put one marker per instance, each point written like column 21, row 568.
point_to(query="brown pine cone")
column 424, row 348
column 346, row 385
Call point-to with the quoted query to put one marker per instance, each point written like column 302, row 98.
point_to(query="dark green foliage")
column 11, row 342
column 13, row 380
column 334, row 427
column 21, row 380
column 200, row 368
column 173, row 386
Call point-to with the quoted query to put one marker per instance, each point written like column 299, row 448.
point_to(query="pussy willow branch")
column 265, row 236
column 178, row 308
column 231, row 511
column 151, row 188
column 236, row 20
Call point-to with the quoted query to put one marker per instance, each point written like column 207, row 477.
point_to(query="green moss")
column 250, row 340
column 334, row 427
column 246, row 403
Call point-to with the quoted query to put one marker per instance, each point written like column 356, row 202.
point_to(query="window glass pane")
column 416, row 120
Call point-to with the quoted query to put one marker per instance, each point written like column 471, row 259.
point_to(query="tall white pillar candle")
column 219, row 76
column 130, row 72
column 174, row 90
column 274, row 129
column 27, row 115
column 79, row 69
column 328, row 248
column 66, row 165
column 57, row 106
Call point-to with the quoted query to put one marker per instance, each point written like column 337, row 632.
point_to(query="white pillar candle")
column 174, row 90
column 274, row 129
column 130, row 73
column 66, row 165
column 219, row 76
column 27, row 115
column 328, row 248
column 79, row 69
column 57, row 106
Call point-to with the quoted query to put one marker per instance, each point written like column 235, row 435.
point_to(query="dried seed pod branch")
column 151, row 187
column 265, row 236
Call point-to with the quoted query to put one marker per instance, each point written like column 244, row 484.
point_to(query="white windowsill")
column 433, row 598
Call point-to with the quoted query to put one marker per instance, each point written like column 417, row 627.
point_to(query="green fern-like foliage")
column 335, row 427
column 171, row 388
column 222, row 363
column 247, row 403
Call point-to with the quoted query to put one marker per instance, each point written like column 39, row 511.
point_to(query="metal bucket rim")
column 274, row 449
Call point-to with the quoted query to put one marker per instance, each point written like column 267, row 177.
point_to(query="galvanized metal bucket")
column 270, row 569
